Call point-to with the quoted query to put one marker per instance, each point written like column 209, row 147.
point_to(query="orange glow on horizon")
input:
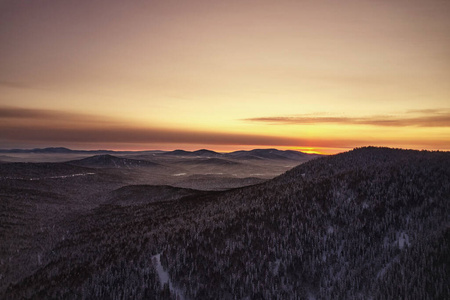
column 219, row 149
column 321, row 151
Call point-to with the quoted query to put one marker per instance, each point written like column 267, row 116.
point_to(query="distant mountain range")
column 241, row 154
column 244, row 154
column 201, row 152
column 53, row 150
column 62, row 150
column 270, row 154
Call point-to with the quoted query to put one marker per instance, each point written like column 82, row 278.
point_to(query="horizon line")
column 306, row 150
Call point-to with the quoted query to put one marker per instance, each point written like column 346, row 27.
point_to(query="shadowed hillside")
column 110, row 161
column 369, row 223
column 144, row 194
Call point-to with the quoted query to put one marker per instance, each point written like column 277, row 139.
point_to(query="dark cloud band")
column 152, row 135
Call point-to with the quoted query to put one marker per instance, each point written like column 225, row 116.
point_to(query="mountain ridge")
column 255, row 153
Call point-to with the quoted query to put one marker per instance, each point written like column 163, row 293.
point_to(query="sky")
column 318, row 76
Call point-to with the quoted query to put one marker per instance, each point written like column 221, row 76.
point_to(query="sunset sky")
column 323, row 76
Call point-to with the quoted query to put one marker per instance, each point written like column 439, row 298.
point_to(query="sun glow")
column 310, row 150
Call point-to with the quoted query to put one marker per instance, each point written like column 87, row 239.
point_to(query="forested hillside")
column 369, row 223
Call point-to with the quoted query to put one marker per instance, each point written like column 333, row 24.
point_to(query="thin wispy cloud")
column 9, row 113
column 417, row 118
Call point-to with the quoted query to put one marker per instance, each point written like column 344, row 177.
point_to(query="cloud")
column 24, row 124
column 150, row 135
column 417, row 118
column 53, row 126
column 13, row 114
column 27, row 113
column 22, row 134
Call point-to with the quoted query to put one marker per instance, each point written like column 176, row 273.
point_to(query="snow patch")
column 179, row 174
column 402, row 240
column 383, row 270
column 311, row 296
column 330, row 230
column 276, row 266
column 48, row 177
column 72, row 175
column 164, row 277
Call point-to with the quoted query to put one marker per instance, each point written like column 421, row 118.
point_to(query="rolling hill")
column 270, row 154
column 110, row 161
column 201, row 152
column 144, row 194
